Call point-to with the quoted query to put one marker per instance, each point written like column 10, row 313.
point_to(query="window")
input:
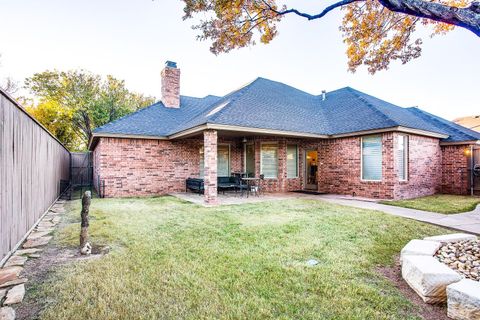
column 401, row 156
column 292, row 161
column 202, row 162
column 250, row 160
column 223, row 161
column 269, row 160
column 372, row 158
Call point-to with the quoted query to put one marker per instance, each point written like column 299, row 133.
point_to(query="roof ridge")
column 241, row 92
column 287, row 85
column 370, row 105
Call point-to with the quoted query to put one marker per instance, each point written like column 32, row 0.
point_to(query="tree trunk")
column 468, row 18
column 85, row 247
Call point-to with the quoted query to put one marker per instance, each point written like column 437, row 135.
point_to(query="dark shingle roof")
column 268, row 104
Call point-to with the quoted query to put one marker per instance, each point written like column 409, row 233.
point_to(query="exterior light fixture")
column 467, row 152
column 244, row 140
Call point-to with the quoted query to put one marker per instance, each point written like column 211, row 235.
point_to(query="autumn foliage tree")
column 72, row 104
column 376, row 32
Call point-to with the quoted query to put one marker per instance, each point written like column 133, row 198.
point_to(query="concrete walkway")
column 467, row 222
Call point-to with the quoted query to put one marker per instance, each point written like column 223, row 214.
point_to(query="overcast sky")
column 131, row 39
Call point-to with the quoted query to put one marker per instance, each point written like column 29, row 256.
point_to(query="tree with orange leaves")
column 376, row 32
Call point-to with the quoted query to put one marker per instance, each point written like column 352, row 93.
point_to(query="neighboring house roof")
column 472, row 122
column 267, row 104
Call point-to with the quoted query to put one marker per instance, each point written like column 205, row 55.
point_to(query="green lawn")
column 175, row 260
column 440, row 203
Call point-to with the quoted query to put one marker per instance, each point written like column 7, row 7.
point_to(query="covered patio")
column 278, row 161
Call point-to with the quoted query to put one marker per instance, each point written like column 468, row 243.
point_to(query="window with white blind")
column 292, row 161
column 250, row 160
column 372, row 158
column 401, row 156
column 223, row 161
column 269, row 160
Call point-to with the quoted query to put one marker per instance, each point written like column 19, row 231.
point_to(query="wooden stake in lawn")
column 85, row 247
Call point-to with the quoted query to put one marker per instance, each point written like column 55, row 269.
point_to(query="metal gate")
column 476, row 170
column 81, row 173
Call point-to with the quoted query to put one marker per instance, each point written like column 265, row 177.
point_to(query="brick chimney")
column 171, row 85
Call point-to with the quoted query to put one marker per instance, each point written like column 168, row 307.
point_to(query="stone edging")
column 12, row 283
column 435, row 282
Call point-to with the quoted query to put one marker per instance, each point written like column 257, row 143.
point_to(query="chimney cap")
column 170, row 64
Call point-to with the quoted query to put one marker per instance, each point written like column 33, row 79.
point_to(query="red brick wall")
column 424, row 168
column 455, row 174
column 340, row 168
column 210, row 177
column 140, row 167
column 135, row 167
column 282, row 183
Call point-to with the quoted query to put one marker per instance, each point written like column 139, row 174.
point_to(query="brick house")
column 343, row 142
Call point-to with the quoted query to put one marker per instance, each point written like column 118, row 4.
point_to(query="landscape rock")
column 40, row 229
column 428, row 277
column 37, row 234
column 3, row 292
column 57, row 209
column 420, row 248
column 87, row 249
column 454, row 237
column 56, row 220
column 463, row 257
column 7, row 313
column 15, row 295
column 16, row 261
column 22, row 252
column 36, row 242
column 13, row 282
column 45, row 224
column 9, row 274
column 464, row 300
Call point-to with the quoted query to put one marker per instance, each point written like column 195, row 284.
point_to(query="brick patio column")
column 210, row 161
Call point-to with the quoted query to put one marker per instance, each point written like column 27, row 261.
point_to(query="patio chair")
column 195, row 185
column 240, row 185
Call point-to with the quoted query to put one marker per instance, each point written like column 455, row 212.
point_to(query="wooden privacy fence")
column 32, row 165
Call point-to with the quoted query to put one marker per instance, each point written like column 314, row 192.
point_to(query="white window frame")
column 361, row 158
column 229, row 159
column 406, row 153
column 296, row 160
column 261, row 158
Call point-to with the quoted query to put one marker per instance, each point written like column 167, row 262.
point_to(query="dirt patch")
column 39, row 270
column 426, row 311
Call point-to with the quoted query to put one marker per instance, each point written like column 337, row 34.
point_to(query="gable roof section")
column 266, row 104
column 157, row 120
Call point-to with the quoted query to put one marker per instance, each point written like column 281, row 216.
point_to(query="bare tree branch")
column 309, row 16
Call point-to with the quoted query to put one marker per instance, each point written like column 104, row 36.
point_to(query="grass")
column 175, row 260
column 441, row 203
